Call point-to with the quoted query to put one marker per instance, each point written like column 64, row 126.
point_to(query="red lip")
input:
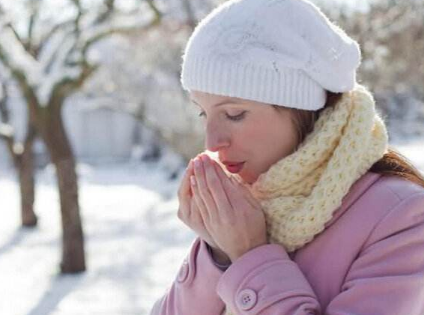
column 231, row 162
column 233, row 167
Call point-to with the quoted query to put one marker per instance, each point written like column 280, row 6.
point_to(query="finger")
column 196, row 217
column 203, row 189
column 195, row 214
column 246, row 192
column 185, row 194
column 198, row 199
column 185, row 189
column 235, row 196
column 216, row 188
column 235, row 184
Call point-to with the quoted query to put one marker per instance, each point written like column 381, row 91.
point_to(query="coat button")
column 182, row 275
column 246, row 299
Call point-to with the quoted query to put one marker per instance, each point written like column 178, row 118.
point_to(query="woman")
column 305, row 210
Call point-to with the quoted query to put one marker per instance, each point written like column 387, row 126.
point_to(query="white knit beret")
column 281, row 52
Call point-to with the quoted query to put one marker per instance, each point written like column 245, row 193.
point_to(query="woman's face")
column 249, row 134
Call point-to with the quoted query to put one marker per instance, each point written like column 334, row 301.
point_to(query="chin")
column 247, row 178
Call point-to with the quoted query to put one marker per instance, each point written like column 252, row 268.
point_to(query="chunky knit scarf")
column 300, row 193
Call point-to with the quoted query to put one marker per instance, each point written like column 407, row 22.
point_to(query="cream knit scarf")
column 300, row 192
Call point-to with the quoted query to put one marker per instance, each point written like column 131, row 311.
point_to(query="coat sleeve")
column 193, row 292
column 387, row 278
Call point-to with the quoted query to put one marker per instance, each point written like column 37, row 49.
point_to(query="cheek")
column 271, row 135
column 287, row 136
column 267, row 137
column 273, row 140
column 250, row 136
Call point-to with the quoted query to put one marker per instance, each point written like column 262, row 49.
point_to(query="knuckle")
column 181, row 214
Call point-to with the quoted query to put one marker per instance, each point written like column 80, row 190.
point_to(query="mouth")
column 234, row 167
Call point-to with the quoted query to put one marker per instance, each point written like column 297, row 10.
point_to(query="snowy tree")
column 143, row 79
column 391, row 36
column 46, row 47
column 22, row 157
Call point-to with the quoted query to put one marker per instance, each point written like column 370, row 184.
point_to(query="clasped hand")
column 220, row 209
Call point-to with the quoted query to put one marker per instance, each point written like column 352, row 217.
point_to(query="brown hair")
column 392, row 163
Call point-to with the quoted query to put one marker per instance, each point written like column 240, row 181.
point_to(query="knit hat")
column 281, row 52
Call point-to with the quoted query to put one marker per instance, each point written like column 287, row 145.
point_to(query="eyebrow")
column 221, row 103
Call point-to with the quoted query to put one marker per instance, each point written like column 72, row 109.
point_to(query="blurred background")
column 95, row 134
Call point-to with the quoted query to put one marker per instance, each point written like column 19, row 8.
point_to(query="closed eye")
column 236, row 117
column 232, row 118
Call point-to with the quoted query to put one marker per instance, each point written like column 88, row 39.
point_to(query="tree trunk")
column 22, row 161
column 26, row 180
column 58, row 145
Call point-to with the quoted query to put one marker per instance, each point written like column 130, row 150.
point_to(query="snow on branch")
column 123, row 24
column 57, row 54
column 15, row 57
column 6, row 131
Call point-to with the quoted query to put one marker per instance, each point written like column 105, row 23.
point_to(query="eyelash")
column 232, row 118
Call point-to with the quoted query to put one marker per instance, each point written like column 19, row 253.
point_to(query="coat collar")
column 355, row 191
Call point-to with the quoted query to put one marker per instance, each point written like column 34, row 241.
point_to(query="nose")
column 216, row 138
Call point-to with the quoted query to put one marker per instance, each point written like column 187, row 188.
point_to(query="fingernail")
column 205, row 159
column 193, row 180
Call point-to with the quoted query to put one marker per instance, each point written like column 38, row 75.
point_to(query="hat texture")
column 281, row 52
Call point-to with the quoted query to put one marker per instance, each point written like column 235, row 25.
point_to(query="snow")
column 134, row 243
column 60, row 55
column 18, row 57
column 134, row 240
column 6, row 130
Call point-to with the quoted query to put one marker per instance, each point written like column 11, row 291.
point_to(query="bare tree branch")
column 119, row 30
column 4, row 112
column 68, row 85
column 191, row 19
column 68, row 37
column 107, row 13
column 77, row 20
column 18, row 44
column 48, row 35
column 154, row 8
column 7, row 132
column 21, row 79
column 29, row 43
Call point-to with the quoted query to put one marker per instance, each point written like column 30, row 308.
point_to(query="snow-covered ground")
column 134, row 242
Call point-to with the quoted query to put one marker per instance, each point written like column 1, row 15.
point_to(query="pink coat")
column 368, row 261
